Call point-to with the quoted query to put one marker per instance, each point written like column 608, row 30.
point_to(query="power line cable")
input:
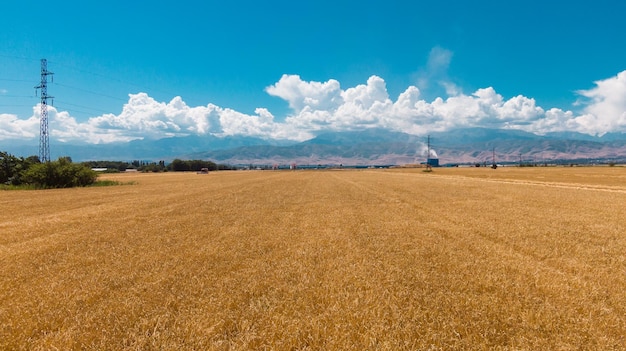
column 74, row 68
column 90, row 92
column 80, row 106
column 64, row 103
column 18, row 57
column 73, row 112
column 3, row 105
column 15, row 80
column 117, row 80
column 18, row 96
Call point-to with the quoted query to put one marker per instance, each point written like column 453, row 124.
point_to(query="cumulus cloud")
column 11, row 127
column 606, row 106
column 326, row 106
column 300, row 94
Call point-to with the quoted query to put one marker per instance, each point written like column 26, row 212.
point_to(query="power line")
column 15, row 80
column 79, row 106
column 62, row 107
column 90, row 92
column 117, row 80
column 1, row 105
column 74, row 68
column 63, row 104
column 97, row 74
column 18, row 96
column 74, row 111
column 18, row 57
column 83, row 71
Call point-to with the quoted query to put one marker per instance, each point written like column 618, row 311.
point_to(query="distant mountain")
column 374, row 135
column 173, row 147
column 312, row 154
column 366, row 147
column 470, row 145
column 613, row 137
column 571, row 136
column 161, row 149
column 534, row 151
column 480, row 135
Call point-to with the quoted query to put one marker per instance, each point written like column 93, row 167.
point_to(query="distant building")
column 433, row 162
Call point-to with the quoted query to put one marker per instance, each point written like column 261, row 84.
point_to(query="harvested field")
column 508, row 259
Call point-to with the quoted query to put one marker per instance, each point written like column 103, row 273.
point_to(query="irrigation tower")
column 44, row 140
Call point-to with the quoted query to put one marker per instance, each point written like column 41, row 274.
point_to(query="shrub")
column 59, row 174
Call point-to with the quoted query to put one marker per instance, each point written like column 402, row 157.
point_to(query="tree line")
column 176, row 165
column 29, row 171
column 121, row 166
column 63, row 173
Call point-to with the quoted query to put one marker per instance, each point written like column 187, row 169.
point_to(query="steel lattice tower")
column 44, row 140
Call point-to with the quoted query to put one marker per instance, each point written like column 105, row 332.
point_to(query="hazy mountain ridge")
column 471, row 145
column 372, row 146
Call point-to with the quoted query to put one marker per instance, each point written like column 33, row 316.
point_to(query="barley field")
column 398, row 259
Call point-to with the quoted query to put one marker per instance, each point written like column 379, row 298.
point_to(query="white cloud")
column 11, row 127
column 300, row 94
column 325, row 106
column 606, row 109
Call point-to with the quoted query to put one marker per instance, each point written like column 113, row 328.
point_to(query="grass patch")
column 109, row 182
column 98, row 183
column 17, row 187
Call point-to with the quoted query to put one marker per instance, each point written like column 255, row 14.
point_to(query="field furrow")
column 325, row 260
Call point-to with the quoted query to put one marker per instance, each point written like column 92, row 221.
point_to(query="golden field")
column 401, row 259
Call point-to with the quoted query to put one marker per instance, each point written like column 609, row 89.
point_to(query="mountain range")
column 365, row 147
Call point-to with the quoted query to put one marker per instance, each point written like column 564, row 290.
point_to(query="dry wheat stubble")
column 399, row 259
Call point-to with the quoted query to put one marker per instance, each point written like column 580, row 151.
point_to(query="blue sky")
column 289, row 69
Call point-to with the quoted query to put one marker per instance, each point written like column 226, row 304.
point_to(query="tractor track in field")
column 574, row 186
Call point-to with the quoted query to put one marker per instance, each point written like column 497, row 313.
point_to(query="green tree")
column 178, row 165
column 12, row 168
column 59, row 174
column 8, row 163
